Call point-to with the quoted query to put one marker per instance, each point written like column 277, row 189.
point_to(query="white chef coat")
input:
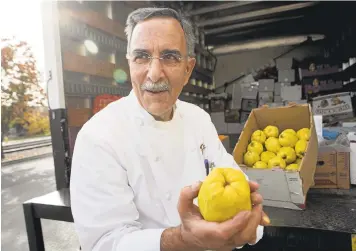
column 126, row 176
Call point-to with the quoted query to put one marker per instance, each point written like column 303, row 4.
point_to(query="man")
column 137, row 162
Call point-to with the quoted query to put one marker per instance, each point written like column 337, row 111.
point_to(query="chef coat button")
column 157, row 159
column 168, row 196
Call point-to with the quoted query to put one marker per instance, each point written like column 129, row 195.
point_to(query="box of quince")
column 278, row 148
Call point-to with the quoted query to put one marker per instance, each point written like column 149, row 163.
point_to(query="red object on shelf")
column 102, row 101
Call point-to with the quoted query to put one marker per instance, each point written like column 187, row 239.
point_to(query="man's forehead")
column 166, row 31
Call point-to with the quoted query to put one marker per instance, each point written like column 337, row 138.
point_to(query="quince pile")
column 270, row 149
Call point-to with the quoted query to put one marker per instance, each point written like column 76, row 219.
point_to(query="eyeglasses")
column 167, row 59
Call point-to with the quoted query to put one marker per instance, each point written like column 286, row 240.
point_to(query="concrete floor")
column 21, row 182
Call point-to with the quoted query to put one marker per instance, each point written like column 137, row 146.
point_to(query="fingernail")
column 196, row 185
column 266, row 219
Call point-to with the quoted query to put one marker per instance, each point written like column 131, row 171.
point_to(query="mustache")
column 156, row 87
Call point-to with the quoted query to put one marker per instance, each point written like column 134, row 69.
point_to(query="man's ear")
column 189, row 69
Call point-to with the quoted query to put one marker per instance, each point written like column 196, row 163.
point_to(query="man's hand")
column 202, row 235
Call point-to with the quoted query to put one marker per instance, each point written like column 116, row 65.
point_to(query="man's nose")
column 155, row 70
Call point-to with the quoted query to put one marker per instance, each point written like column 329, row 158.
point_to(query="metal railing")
column 17, row 147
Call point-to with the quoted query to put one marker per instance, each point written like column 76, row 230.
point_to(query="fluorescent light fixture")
column 265, row 43
column 91, row 46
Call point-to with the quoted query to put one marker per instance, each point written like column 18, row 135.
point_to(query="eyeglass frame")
column 150, row 57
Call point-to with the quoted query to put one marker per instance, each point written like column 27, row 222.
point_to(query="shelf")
column 87, row 65
column 96, row 20
column 331, row 73
column 305, row 73
column 351, row 87
column 350, row 72
column 196, row 89
column 75, row 30
column 202, row 74
column 203, row 71
column 93, row 90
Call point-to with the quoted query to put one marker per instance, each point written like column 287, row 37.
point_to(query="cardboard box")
column 244, row 116
column 274, row 104
column 232, row 116
column 352, row 138
column 248, row 104
column 291, row 92
column 287, row 102
column 266, row 85
column 286, row 76
column 217, row 105
column 265, row 96
column 278, row 86
column 285, row 63
column 249, row 92
column 333, row 170
column 326, row 170
column 277, row 99
column 278, row 187
column 333, row 107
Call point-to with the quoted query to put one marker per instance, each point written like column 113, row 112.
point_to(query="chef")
column 138, row 163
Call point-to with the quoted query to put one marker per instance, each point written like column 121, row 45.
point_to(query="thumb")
column 187, row 195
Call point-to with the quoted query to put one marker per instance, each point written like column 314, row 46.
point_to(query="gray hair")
column 142, row 14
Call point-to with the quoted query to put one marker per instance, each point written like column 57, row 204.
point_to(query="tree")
column 21, row 92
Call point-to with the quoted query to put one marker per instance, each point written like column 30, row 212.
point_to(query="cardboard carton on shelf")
column 333, row 170
column 278, row 86
column 333, row 166
column 280, row 188
column 291, row 92
column 266, row 85
column 336, row 106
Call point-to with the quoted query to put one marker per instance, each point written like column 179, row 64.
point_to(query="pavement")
column 19, row 183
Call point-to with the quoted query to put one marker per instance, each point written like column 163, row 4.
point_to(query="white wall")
column 230, row 66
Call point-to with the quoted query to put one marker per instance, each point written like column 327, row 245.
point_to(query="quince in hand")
column 224, row 193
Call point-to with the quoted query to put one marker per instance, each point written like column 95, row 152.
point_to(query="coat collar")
column 142, row 116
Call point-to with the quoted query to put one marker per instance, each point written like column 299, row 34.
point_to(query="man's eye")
column 141, row 58
column 170, row 58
